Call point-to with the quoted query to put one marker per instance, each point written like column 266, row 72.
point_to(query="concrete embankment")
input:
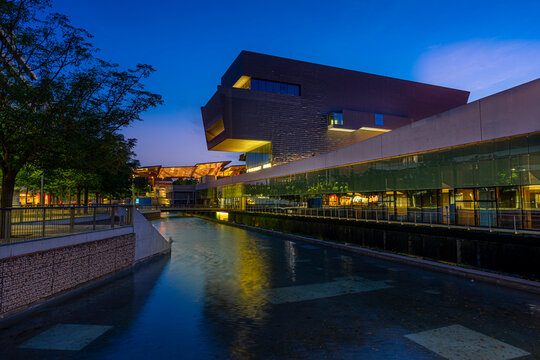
column 36, row 272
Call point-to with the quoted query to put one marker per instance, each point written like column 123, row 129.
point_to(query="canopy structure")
column 191, row 172
column 148, row 172
column 232, row 170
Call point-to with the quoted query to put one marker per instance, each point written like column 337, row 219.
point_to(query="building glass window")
column 531, row 206
column 427, row 188
column 509, row 207
column 275, row 87
column 259, row 158
column 335, row 119
column 486, row 206
column 379, row 119
column 465, row 214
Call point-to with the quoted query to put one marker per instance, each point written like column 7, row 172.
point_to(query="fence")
column 490, row 219
column 493, row 220
column 143, row 208
column 30, row 223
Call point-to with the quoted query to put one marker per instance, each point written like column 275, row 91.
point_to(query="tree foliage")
column 61, row 107
column 141, row 185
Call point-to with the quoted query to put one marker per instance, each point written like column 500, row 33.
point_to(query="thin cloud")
column 483, row 67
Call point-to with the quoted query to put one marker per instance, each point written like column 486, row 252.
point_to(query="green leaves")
column 60, row 106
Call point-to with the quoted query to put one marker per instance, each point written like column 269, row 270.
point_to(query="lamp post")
column 133, row 190
column 41, row 195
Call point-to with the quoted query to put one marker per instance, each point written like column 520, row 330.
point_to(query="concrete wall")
column 509, row 113
column 149, row 241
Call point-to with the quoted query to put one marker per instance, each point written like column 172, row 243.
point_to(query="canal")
column 226, row 292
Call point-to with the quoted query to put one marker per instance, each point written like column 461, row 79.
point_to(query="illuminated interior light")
column 266, row 166
column 341, row 129
column 374, row 129
column 239, row 145
column 221, row 215
column 253, row 169
column 241, row 82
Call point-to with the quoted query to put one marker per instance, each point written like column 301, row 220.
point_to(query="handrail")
column 30, row 223
column 483, row 220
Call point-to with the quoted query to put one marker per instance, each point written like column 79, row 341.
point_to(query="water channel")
column 226, row 292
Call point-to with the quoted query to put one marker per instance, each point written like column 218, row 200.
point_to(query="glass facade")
column 379, row 120
column 274, row 87
column 335, row 119
column 260, row 157
column 492, row 184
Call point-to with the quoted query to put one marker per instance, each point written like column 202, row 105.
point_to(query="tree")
column 141, row 185
column 51, row 50
column 30, row 178
column 74, row 103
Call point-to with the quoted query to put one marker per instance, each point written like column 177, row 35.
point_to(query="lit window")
column 379, row 119
column 275, row 87
column 335, row 119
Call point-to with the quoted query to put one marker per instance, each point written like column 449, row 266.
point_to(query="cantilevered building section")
column 278, row 110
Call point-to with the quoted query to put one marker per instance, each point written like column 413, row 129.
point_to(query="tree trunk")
column 6, row 201
column 78, row 196
column 86, row 200
column 8, row 187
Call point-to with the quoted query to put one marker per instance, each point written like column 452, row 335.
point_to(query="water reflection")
column 211, row 301
column 120, row 303
column 290, row 256
column 234, row 269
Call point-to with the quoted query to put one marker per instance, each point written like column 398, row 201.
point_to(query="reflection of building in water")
column 237, row 274
column 290, row 256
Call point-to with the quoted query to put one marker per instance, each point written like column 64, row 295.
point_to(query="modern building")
column 279, row 110
column 175, row 185
column 383, row 148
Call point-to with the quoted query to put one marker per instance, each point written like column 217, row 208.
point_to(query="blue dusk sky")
column 480, row 46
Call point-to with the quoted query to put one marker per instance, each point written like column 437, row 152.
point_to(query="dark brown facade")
column 282, row 104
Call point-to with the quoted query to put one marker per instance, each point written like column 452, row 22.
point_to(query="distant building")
column 172, row 185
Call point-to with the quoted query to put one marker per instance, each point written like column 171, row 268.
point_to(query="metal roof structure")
column 190, row 172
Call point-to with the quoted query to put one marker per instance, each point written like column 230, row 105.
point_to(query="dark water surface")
column 229, row 293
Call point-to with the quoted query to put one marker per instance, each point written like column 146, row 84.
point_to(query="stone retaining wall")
column 34, row 277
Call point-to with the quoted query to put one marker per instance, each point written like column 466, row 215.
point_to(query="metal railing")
column 30, row 223
column 143, row 208
column 486, row 219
